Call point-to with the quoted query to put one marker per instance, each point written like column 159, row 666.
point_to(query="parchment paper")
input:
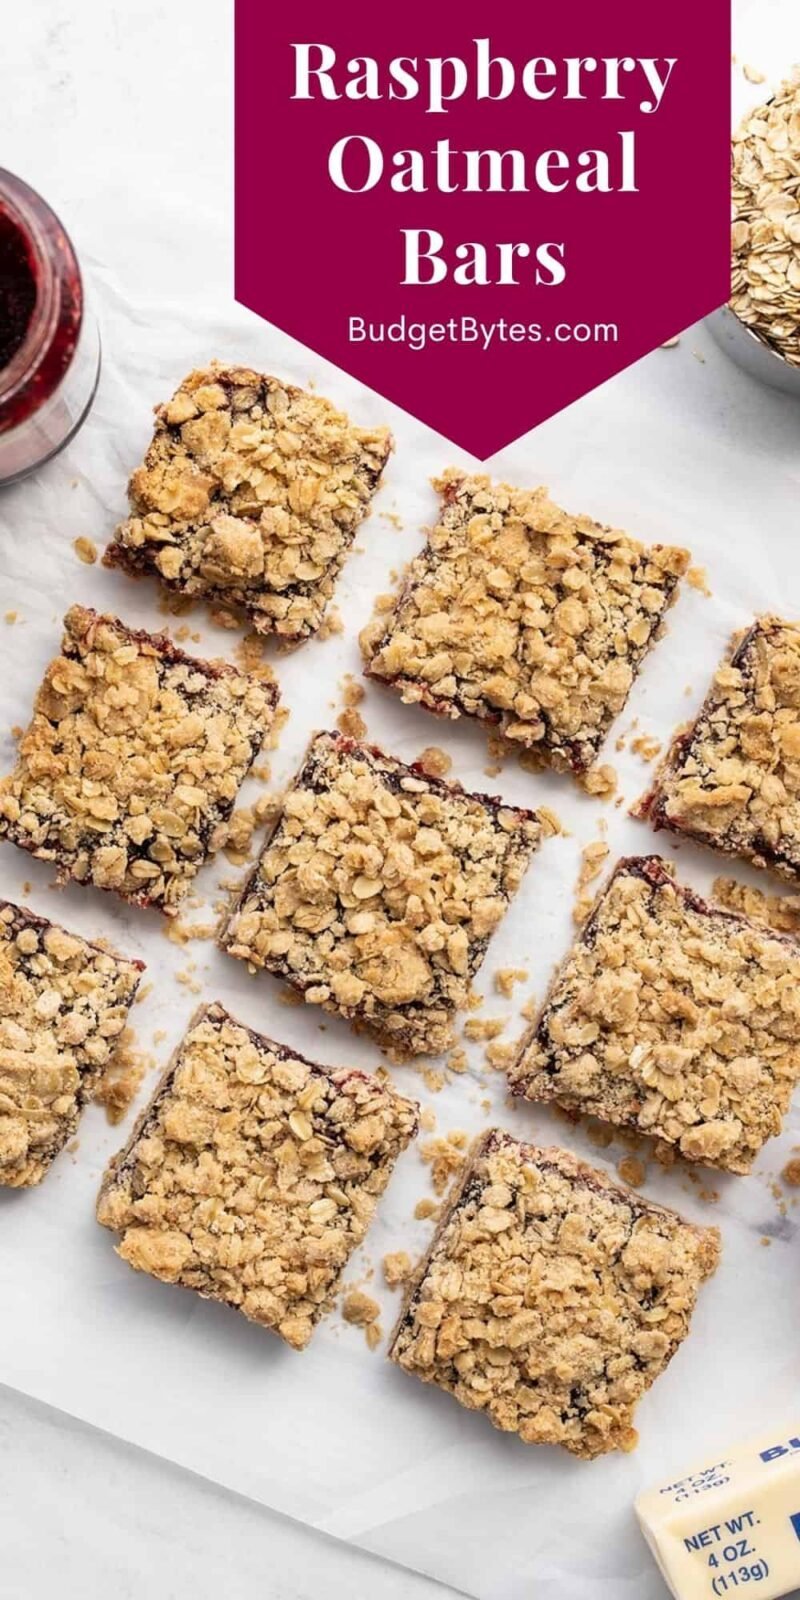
column 336, row 1436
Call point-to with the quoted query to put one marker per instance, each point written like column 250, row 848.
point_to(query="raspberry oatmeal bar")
column 378, row 890
column 250, row 495
column 253, row 1174
column 551, row 1298
column 525, row 617
column 732, row 780
column 132, row 760
column 63, row 1006
column 672, row 1017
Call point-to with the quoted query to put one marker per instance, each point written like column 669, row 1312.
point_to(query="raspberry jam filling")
column 17, row 286
column 49, row 350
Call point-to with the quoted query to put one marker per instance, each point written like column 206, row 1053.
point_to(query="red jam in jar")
column 49, row 345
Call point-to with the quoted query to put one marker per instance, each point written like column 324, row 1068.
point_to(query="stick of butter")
column 732, row 1524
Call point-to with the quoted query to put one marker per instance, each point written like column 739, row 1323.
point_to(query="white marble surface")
column 80, row 89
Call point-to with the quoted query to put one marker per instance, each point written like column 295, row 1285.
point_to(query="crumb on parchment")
column 396, row 1267
column 697, row 578
column 506, row 977
column 85, row 550
column 647, row 746
column 483, row 1028
column 601, row 782
column 351, row 723
column 435, row 762
column 632, row 1171
column 445, row 1157
column 593, row 858
column 359, row 1308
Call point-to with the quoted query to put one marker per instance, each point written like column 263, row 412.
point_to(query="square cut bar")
column 526, row 617
column 378, row 890
column 673, row 1017
column 250, row 495
column 253, row 1174
column 732, row 780
column 132, row 761
column 63, row 1005
column 551, row 1298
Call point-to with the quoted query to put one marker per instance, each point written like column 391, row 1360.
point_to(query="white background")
column 121, row 115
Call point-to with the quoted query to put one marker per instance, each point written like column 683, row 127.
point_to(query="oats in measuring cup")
column 766, row 221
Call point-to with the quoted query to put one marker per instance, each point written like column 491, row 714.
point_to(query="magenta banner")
column 483, row 213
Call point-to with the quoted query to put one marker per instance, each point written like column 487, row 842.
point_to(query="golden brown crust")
column 525, row 616
column 132, row 760
column 732, row 780
column 253, row 1174
column 672, row 1017
column 378, row 890
column 64, row 1004
column 250, row 495
column 551, row 1298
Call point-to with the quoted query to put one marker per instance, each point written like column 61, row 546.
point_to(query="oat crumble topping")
column 64, row 1004
column 379, row 889
column 732, row 780
column 122, row 1078
column 250, row 496
column 132, row 761
column 551, row 1298
column 254, row 1174
column 778, row 911
column 524, row 616
column 672, row 1017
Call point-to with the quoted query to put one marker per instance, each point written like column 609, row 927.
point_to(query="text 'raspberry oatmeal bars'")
column 524, row 616
column 551, row 1298
column 64, row 1004
column 250, row 495
column 732, row 780
column 132, row 761
column 673, row 1017
column 253, row 1174
column 378, row 890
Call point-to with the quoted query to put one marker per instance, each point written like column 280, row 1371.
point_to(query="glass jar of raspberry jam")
column 49, row 343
